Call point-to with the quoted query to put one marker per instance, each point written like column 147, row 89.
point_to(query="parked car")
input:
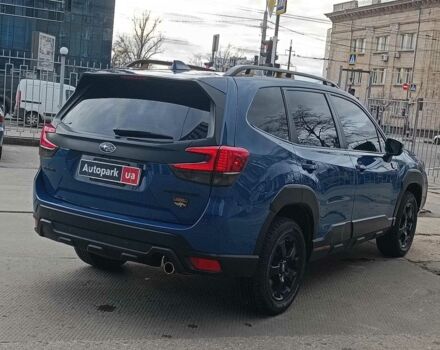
column 2, row 130
column 235, row 174
column 37, row 101
column 437, row 140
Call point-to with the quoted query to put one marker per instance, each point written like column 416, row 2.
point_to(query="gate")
column 416, row 124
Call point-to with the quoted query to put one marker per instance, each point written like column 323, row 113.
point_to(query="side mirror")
column 393, row 148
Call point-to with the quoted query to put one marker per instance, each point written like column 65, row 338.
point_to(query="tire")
column 32, row 119
column 398, row 241
column 99, row 261
column 280, row 270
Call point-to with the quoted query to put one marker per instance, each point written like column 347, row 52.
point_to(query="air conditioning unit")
column 397, row 55
column 385, row 58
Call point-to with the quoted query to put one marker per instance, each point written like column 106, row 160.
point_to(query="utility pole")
column 263, row 37
column 290, row 55
column 275, row 40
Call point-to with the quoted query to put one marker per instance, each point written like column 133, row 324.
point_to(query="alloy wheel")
column 284, row 269
column 407, row 226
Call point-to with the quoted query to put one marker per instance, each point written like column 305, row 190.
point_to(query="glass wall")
column 84, row 26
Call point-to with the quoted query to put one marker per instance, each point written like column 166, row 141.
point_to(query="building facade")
column 83, row 26
column 376, row 49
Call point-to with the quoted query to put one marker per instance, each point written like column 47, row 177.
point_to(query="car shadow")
column 148, row 303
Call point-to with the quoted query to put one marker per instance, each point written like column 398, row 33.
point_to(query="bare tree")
column 143, row 42
column 225, row 58
column 199, row 60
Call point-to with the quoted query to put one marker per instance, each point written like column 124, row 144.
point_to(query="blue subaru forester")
column 251, row 174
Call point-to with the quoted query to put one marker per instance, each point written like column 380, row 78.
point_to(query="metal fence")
column 31, row 97
column 416, row 124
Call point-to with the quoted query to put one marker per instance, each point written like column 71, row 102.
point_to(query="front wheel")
column 281, row 267
column 398, row 242
column 98, row 261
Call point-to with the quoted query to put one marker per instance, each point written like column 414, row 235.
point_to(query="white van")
column 37, row 101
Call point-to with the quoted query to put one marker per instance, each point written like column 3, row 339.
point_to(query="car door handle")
column 309, row 166
column 361, row 167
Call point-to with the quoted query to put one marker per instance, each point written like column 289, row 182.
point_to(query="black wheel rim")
column 285, row 268
column 407, row 225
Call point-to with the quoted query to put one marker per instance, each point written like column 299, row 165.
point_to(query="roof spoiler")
column 175, row 66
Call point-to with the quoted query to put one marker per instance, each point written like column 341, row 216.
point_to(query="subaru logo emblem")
column 107, row 147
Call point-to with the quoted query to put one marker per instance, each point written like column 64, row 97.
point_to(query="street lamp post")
column 64, row 51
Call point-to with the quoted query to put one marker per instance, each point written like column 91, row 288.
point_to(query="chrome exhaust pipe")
column 167, row 266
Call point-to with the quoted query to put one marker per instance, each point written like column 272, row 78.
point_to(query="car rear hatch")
column 116, row 142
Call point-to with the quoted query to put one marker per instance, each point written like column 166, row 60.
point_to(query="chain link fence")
column 416, row 124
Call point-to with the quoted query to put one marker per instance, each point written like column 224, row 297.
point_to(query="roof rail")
column 175, row 66
column 235, row 71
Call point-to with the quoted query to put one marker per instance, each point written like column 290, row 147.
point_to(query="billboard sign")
column 44, row 49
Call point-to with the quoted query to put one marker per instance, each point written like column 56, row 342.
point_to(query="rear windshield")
column 147, row 108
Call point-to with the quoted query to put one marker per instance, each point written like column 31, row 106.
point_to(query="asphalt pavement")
column 49, row 299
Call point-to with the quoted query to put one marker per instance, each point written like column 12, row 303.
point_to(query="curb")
column 20, row 141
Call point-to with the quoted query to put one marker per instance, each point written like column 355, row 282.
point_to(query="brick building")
column 393, row 42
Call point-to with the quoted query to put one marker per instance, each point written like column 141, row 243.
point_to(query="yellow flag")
column 271, row 6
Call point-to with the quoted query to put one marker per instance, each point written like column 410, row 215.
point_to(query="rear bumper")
column 118, row 241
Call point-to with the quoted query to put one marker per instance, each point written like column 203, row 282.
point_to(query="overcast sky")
column 189, row 25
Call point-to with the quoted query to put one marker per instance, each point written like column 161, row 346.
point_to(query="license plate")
column 110, row 172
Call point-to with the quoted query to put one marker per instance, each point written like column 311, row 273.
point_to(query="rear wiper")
column 141, row 134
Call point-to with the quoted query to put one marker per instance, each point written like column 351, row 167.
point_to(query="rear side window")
column 312, row 118
column 148, row 108
column 267, row 113
column 360, row 132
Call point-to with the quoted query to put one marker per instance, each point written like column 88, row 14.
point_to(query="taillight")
column 221, row 167
column 2, row 119
column 44, row 141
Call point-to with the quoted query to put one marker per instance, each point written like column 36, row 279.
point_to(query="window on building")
column 378, row 76
column 267, row 113
column 360, row 132
column 382, row 43
column 403, row 75
column 356, row 78
column 312, row 118
column 407, row 41
column 358, row 45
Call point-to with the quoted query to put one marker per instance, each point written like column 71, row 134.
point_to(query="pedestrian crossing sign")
column 352, row 60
